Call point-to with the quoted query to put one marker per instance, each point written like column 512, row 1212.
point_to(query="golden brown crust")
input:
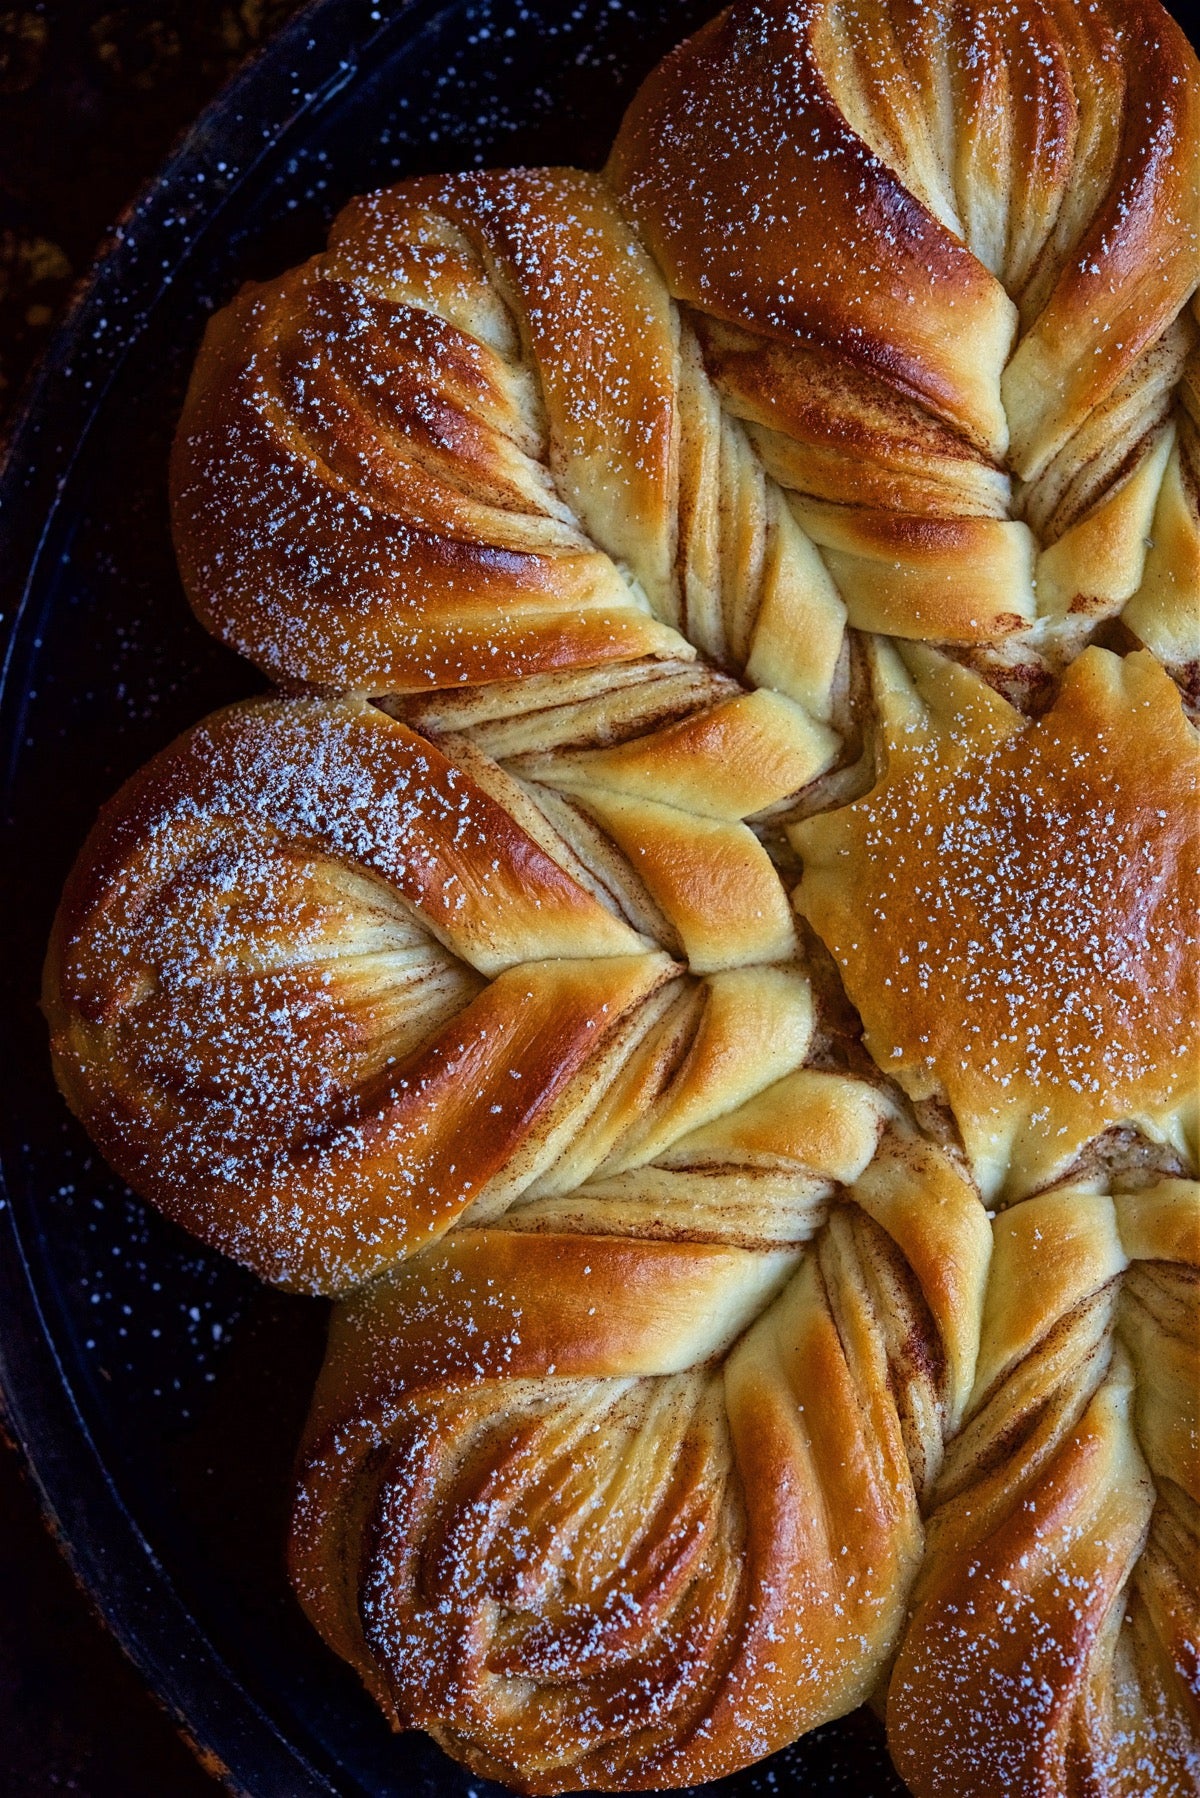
column 1052, row 1642
column 1014, row 912
column 265, row 989
column 715, row 140
column 433, row 549
column 926, row 372
column 1164, row 613
column 726, row 1567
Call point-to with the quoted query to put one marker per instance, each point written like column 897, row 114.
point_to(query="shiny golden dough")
column 611, row 1511
column 1042, row 1010
column 1058, row 1595
column 683, row 1394
column 1002, row 309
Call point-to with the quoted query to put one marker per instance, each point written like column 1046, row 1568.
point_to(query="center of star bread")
column 1013, row 908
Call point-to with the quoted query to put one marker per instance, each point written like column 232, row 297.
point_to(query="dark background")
column 92, row 96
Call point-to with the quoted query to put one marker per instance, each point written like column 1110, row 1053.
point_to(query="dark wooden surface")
column 92, row 95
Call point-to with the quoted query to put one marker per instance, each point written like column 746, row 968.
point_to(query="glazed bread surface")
column 698, row 957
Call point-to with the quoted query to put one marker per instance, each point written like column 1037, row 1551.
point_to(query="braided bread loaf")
column 701, row 959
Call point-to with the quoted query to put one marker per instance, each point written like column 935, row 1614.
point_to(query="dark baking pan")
column 157, row 1391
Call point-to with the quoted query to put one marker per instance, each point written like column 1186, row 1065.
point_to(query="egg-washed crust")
column 665, row 1440
column 1058, row 1594
column 741, row 825
column 1015, row 910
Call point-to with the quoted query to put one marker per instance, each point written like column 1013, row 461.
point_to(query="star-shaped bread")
column 1013, row 907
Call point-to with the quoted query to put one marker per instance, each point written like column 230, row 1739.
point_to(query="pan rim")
column 318, row 52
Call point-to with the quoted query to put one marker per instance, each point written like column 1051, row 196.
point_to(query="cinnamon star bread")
column 699, row 957
column 1013, row 907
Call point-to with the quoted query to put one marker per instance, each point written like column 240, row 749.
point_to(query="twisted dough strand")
column 1004, row 297
column 268, row 992
column 723, row 1565
column 567, row 479
column 1052, row 1641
